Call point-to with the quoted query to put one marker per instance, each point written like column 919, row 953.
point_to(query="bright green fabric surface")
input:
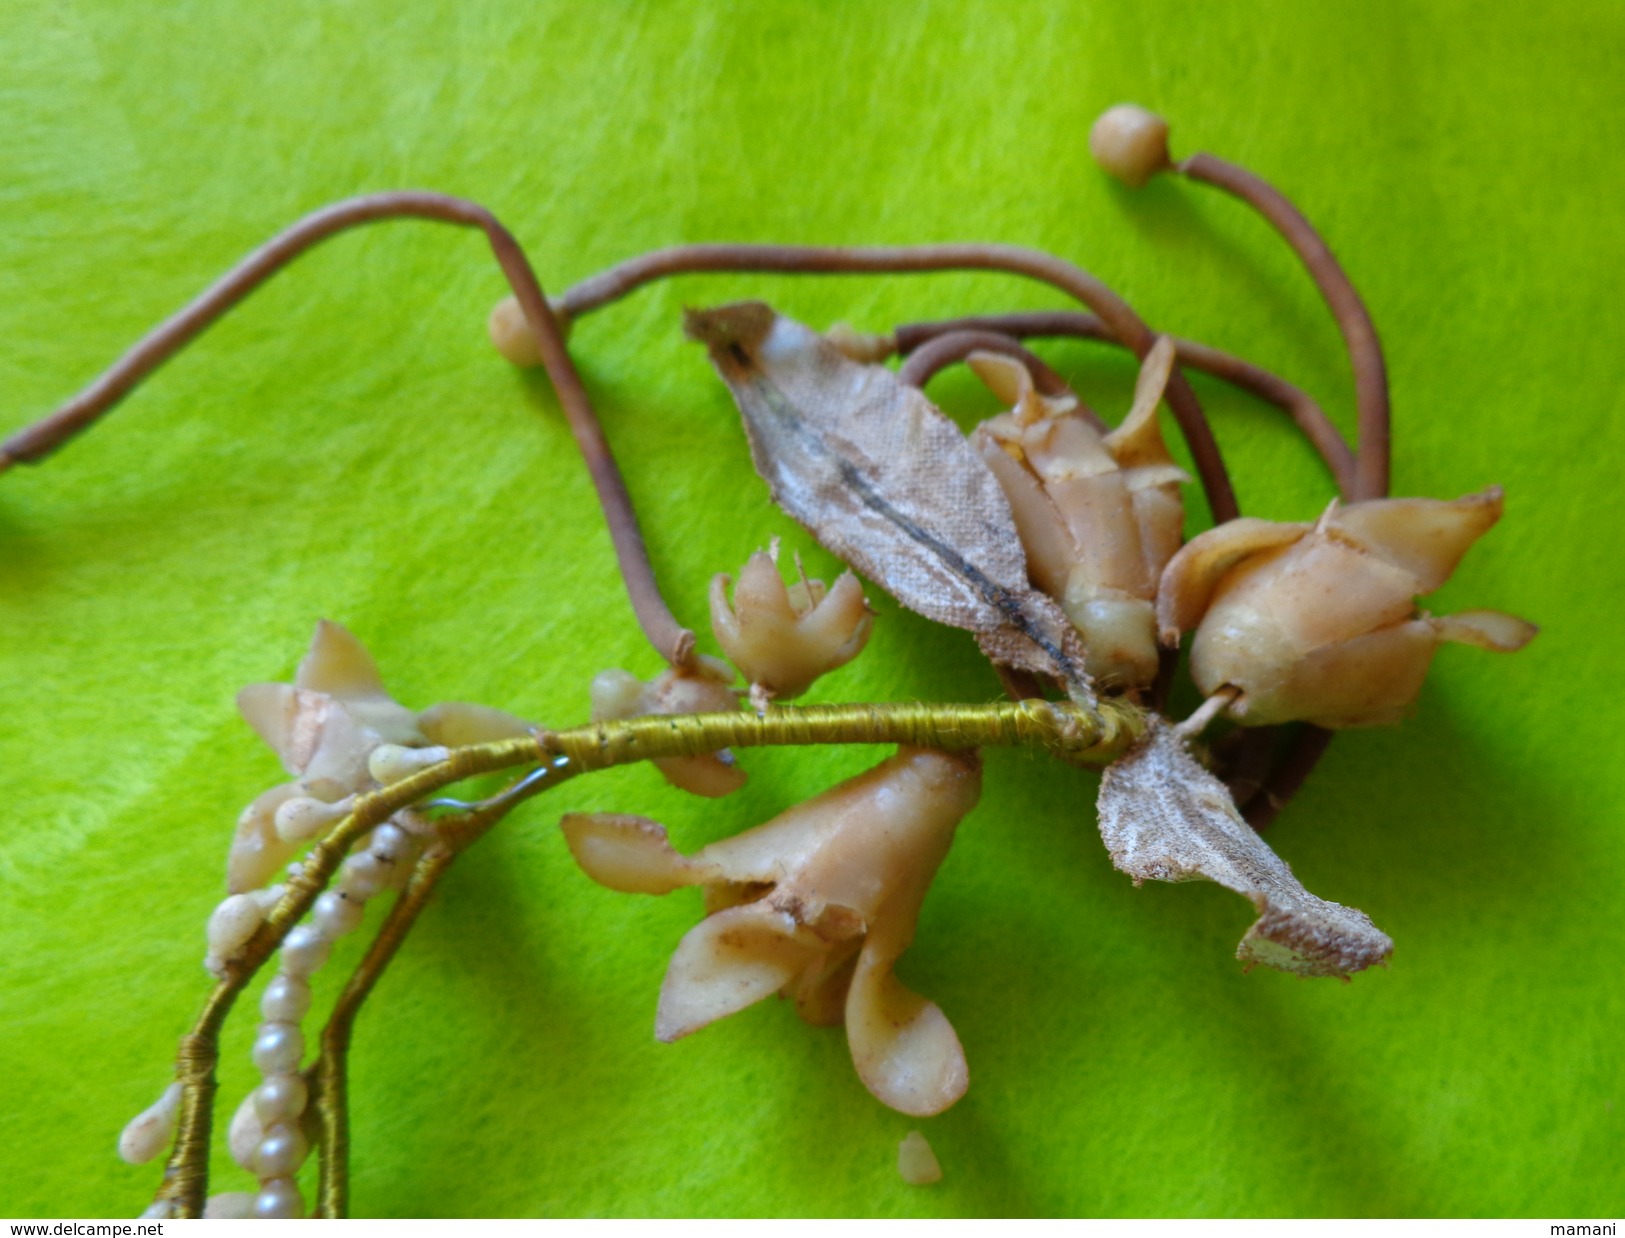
column 347, row 445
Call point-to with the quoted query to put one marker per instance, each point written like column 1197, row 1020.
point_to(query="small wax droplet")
column 149, row 1132
column 232, row 924
column 388, row 843
column 390, row 763
column 244, row 1135
column 281, row 1152
column 304, row 817
column 511, row 334
column 335, row 915
column 916, row 1162
column 363, row 876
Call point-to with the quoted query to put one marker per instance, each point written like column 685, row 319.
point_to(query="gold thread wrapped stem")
column 186, row 1176
column 1069, row 731
column 328, row 1077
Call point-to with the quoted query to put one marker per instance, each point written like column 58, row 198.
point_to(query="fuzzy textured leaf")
column 1165, row 818
column 883, row 479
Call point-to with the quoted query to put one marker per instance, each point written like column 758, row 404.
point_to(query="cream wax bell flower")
column 817, row 904
column 784, row 637
column 1318, row 623
column 1099, row 514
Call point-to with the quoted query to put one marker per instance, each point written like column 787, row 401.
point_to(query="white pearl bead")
column 363, row 876
column 335, row 915
column 279, row 1097
column 388, row 843
column 279, row 1199
column 232, row 924
column 304, row 950
column 286, row 999
column 278, row 1048
column 281, row 1152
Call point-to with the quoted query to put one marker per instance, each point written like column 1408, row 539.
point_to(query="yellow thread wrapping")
column 1070, row 731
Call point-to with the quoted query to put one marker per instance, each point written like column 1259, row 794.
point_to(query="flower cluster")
column 1099, row 513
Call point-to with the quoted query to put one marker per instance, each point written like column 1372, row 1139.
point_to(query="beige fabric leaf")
column 884, row 480
column 1165, row 818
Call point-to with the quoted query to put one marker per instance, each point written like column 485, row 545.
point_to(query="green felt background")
column 348, row 445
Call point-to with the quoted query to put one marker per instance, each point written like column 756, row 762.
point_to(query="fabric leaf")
column 1165, row 818
column 883, row 479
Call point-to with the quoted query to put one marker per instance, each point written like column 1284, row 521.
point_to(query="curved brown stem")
column 952, row 347
column 1298, row 404
column 1372, row 458
column 1353, row 319
column 35, row 442
column 1303, row 752
column 1119, row 317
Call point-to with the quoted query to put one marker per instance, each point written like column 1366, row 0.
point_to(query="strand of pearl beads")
column 267, row 1136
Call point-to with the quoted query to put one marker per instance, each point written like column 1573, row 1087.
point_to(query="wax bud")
column 1130, row 143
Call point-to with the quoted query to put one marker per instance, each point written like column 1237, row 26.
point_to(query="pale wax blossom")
column 1318, row 623
column 324, row 726
column 1099, row 514
column 784, row 637
column 817, row 905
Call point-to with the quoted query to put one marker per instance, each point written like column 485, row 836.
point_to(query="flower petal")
column 456, row 723
column 339, row 665
column 1194, row 573
column 628, row 853
column 729, row 961
column 904, row 1048
column 257, row 851
column 1425, row 537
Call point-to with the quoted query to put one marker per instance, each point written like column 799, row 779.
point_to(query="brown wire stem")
column 1119, row 318
column 1298, row 404
column 950, row 348
column 1303, row 752
column 1372, row 460
column 35, row 442
column 1345, row 303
